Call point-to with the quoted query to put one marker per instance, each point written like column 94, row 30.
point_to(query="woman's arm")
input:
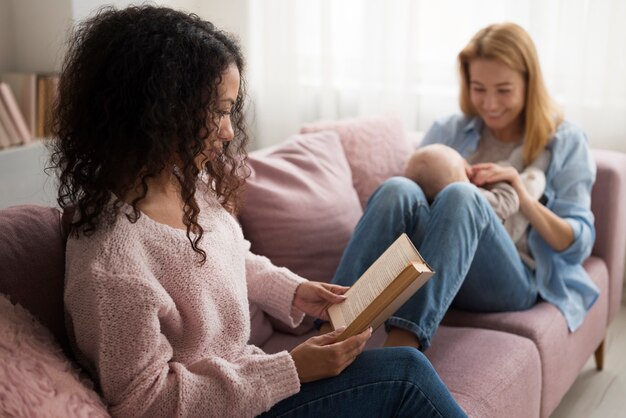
column 553, row 229
column 273, row 289
column 119, row 322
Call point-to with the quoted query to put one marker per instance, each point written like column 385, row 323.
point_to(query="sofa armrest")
column 608, row 203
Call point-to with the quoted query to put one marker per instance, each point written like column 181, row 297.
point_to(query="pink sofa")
column 302, row 201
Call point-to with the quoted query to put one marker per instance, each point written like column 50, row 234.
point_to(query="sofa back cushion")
column 299, row 211
column 299, row 205
column 35, row 378
column 376, row 148
column 32, row 263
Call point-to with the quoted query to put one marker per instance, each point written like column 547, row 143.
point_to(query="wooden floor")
column 601, row 394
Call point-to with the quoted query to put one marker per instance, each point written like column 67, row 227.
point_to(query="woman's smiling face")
column 498, row 93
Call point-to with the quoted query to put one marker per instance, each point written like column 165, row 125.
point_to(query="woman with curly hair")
column 151, row 157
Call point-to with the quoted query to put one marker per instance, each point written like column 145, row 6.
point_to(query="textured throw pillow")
column 32, row 263
column 376, row 149
column 35, row 378
column 299, row 205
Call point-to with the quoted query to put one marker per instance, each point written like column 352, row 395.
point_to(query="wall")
column 232, row 16
column 40, row 30
column 33, row 35
column 7, row 55
column 84, row 8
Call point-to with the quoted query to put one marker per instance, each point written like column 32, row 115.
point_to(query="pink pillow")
column 376, row 149
column 35, row 378
column 32, row 264
column 299, row 205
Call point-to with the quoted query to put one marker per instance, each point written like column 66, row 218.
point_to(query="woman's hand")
column 313, row 298
column 553, row 229
column 321, row 357
column 488, row 173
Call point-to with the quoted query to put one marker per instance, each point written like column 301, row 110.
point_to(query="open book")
column 393, row 278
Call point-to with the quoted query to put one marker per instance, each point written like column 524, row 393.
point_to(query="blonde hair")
column 511, row 44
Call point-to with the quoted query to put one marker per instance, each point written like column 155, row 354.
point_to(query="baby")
column 435, row 166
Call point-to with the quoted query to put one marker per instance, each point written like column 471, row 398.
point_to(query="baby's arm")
column 502, row 198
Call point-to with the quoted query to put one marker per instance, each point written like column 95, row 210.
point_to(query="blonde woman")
column 478, row 267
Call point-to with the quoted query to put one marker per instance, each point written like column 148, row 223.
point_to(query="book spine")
column 24, row 87
column 7, row 123
column 41, row 107
column 5, row 142
column 8, row 99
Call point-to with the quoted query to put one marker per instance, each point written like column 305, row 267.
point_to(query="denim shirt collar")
column 474, row 126
column 472, row 131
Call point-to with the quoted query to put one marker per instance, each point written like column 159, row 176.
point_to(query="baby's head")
column 435, row 166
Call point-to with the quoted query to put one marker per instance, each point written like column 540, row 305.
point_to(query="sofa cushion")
column 299, row 205
column 562, row 353
column 35, row 378
column 32, row 260
column 299, row 210
column 376, row 149
column 260, row 326
column 489, row 373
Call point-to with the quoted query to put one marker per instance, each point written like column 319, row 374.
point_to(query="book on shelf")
column 28, row 99
column 8, row 125
column 47, row 85
column 5, row 140
column 8, row 100
column 24, row 87
column 384, row 287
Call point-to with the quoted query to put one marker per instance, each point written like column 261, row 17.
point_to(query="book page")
column 380, row 274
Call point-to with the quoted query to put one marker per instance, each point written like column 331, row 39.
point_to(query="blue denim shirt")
column 561, row 279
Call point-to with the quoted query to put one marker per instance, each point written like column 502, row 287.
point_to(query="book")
column 24, row 87
column 385, row 286
column 47, row 85
column 5, row 141
column 7, row 124
column 10, row 104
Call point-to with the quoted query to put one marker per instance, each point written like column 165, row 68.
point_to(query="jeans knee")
column 410, row 361
column 459, row 195
column 397, row 190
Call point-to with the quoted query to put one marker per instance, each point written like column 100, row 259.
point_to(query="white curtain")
column 330, row 59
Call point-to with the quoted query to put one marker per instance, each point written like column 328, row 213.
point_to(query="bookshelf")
column 32, row 39
column 32, row 35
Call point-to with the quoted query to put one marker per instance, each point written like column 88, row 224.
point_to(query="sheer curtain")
column 325, row 59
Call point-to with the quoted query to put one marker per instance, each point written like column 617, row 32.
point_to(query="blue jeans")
column 477, row 267
column 384, row 382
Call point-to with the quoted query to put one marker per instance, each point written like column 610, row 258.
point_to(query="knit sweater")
column 165, row 336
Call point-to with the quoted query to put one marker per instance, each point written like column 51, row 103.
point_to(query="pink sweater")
column 164, row 336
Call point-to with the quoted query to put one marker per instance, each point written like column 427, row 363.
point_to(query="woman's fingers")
column 333, row 293
column 335, row 288
column 353, row 346
column 320, row 357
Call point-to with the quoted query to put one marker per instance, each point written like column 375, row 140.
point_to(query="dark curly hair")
column 138, row 86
